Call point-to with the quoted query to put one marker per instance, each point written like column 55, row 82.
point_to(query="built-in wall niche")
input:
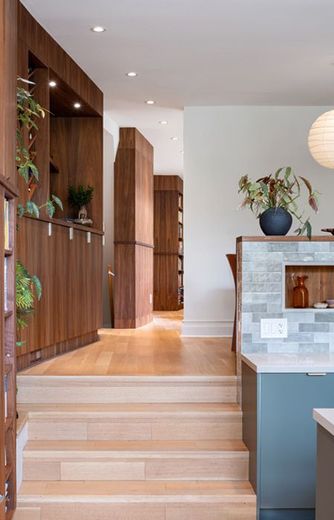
column 319, row 282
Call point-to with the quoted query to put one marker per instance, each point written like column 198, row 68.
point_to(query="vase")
column 82, row 215
column 275, row 221
column 300, row 293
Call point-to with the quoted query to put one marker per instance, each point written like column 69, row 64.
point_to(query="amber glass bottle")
column 300, row 293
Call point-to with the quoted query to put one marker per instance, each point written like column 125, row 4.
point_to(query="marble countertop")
column 290, row 363
column 325, row 417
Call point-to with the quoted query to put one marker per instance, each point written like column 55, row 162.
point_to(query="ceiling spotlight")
column 98, row 29
column 77, row 105
column 150, row 102
column 52, row 83
column 174, row 138
column 131, row 74
column 163, row 122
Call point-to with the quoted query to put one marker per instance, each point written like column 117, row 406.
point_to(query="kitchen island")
column 325, row 463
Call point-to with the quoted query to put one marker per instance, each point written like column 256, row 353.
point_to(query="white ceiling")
column 196, row 52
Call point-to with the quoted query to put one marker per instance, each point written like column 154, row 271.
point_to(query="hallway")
column 155, row 349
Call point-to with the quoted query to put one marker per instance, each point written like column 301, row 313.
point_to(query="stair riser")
column 41, row 391
column 87, row 511
column 229, row 427
column 229, row 468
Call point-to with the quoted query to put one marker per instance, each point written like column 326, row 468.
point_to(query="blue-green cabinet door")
column 287, row 437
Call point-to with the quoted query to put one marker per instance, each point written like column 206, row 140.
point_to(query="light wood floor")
column 156, row 350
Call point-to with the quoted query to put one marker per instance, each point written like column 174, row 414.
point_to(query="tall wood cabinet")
column 8, row 194
column 133, row 205
column 168, row 243
column 68, row 150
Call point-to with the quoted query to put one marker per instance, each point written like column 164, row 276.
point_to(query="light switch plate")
column 274, row 328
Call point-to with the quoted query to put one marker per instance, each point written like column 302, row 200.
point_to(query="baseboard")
column 197, row 329
column 287, row 514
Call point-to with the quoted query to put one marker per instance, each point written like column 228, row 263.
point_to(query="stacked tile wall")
column 262, row 296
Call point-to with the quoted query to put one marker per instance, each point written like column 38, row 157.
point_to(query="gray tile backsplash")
column 263, row 297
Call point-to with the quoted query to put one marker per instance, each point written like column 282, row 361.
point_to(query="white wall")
column 110, row 143
column 220, row 145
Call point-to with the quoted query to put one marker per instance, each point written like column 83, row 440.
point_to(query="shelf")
column 8, row 252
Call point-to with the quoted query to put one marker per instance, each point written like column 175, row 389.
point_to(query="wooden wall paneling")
column 34, row 239
column 168, row 242
column 165, row 296
column 125, row 286
column 144, row 284
column 133, row 196
column 166, row 222
column 47, row 50
column 8, row 13
column 143, row 190
column 77, row 150
column 61, row 298
column 125, row 195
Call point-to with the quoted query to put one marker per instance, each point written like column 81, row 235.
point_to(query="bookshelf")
column 168, row 243
column 8, row 352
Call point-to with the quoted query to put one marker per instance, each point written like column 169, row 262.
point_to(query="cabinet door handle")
column 317, row 374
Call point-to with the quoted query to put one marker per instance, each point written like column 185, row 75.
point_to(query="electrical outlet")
column 274, row 328
column 151, row 299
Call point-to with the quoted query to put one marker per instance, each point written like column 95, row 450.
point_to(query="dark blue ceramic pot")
column 275, row 221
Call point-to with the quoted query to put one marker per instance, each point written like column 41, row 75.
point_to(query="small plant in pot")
column 79, row 197
column 273, row 199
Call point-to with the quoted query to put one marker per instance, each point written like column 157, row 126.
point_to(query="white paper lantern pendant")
column 321, row 139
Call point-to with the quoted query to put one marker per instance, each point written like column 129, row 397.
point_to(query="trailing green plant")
column 28, row 113
column 28, row 289
column 279, row 190
column 80, row 196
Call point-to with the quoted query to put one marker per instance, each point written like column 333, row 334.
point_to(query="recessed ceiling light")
column 150, row 102
column 52, row 83
column 98, row 29
column 77, row 105
column 174, row 138
column 131, row 74
column 163, row 122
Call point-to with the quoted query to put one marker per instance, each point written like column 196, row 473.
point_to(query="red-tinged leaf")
column 313, row 203
column 307, row 184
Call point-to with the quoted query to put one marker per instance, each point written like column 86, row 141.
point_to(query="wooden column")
column 133, row 230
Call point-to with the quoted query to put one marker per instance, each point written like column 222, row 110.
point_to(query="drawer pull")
column 317, row 373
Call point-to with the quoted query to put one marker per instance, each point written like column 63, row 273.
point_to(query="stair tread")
column 131, row 411
column 121, row 488
column 136, row 446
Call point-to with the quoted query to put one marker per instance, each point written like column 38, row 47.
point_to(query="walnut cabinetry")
column 67, row 149
column 69, row 312
column 168, row 243
column 133, row 230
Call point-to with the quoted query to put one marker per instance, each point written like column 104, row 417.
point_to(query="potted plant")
column 273, row 199
column 79, row 198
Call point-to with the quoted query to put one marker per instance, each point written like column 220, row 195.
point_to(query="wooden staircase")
column 110, row 459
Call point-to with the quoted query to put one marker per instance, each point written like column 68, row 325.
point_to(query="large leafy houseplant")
column 279, row 190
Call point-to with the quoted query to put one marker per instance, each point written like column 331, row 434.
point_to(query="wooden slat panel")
column 47, row 50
